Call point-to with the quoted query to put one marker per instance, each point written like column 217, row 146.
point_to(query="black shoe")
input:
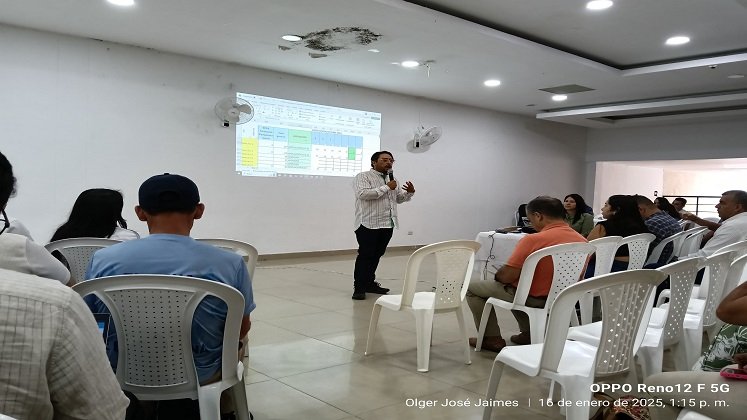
column 358, row 295
column 375, row 287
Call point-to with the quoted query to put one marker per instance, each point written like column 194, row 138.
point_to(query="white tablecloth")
column 495, row 248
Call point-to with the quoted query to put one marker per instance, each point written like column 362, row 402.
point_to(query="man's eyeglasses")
column 6, row 221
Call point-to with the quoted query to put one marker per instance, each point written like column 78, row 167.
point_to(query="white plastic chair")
column 637, row 249
column 735, row 276
column 701, row 313
column 153, row 318
column 740, row 249
column 248, row 252
column 658, row 337
column 692, row 241
column 78, row 253
column 604, row 252
column 569, row 261
column 454, row 262
column 676, row 242
column 575, row 364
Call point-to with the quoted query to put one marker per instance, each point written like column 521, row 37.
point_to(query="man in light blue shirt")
column 170, row 204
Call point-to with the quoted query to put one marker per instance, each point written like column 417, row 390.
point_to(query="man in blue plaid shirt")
column 659, row 223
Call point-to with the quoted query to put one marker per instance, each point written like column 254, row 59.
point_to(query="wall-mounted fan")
column 234, row 111
column 425, row 137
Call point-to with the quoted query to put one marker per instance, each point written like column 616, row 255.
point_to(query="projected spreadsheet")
column 288, row 138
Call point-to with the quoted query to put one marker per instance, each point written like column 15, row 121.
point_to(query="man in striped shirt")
column 376, row 199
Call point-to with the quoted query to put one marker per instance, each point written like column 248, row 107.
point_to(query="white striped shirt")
column 375, row 202
column 53, row 361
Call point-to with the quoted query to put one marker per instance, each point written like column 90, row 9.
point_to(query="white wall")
column 79, row 114
column 681, row 141
column 616, row 178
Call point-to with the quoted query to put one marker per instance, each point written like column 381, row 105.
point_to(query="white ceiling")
column 527, row 44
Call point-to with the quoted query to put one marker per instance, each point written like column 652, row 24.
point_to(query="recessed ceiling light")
column 735, row 76
column 291, row 38
column 492, row 83
column 122, row 2
column 559, row 98
column 373, row 50
column 410, row 64
column 599, row 4
column 678, row 40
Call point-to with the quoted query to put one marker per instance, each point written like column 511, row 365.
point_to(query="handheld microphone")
column 391, row 175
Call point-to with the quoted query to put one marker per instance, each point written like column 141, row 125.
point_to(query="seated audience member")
column 170, row 204
column 97, row 213
column 679, row 204
column 18, row 252
column 621, row 219
column 53, row 358
column 677, row 389
column 576, row 216
column 660, row 224
column 18, row 228
column 548, row 217
column 664, row 205
column 731, row 209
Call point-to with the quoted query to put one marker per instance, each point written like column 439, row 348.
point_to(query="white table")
column 495, row 248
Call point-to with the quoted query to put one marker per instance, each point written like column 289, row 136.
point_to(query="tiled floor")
column 306, row 352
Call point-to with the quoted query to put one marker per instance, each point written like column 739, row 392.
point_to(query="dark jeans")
column 372, row 245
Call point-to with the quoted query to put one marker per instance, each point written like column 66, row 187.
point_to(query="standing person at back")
column 170, row 204
column 376, row 199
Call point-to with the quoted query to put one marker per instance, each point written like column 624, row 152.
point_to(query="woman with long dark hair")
column 575, row 216
column 97, row 213
column 621, row 219
column 667, row 207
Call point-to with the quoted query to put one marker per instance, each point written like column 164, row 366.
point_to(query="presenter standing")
column 376, row 199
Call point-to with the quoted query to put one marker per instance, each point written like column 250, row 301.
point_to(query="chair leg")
column 483, row 324
column 209, row 400
column 424, row 328
column 586, row 305
column 578, row 391
column 693, row 340
column 495, row 378
column 680, row 356
column 537, row 322
column 372, row 328
column 238, row 391
column 463, row 331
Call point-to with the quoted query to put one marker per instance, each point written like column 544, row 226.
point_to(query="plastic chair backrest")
column 681, row 281
column 733, row 279
column 153, row 318
column 674, row 240
column 718, row 268
column 740, row 249
column 78, row 253
column 604, row 253
column 625, row 299
column 691, row 244
column 454, row 262
column 247, row 251
column 637, row 249
column 568, row 260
